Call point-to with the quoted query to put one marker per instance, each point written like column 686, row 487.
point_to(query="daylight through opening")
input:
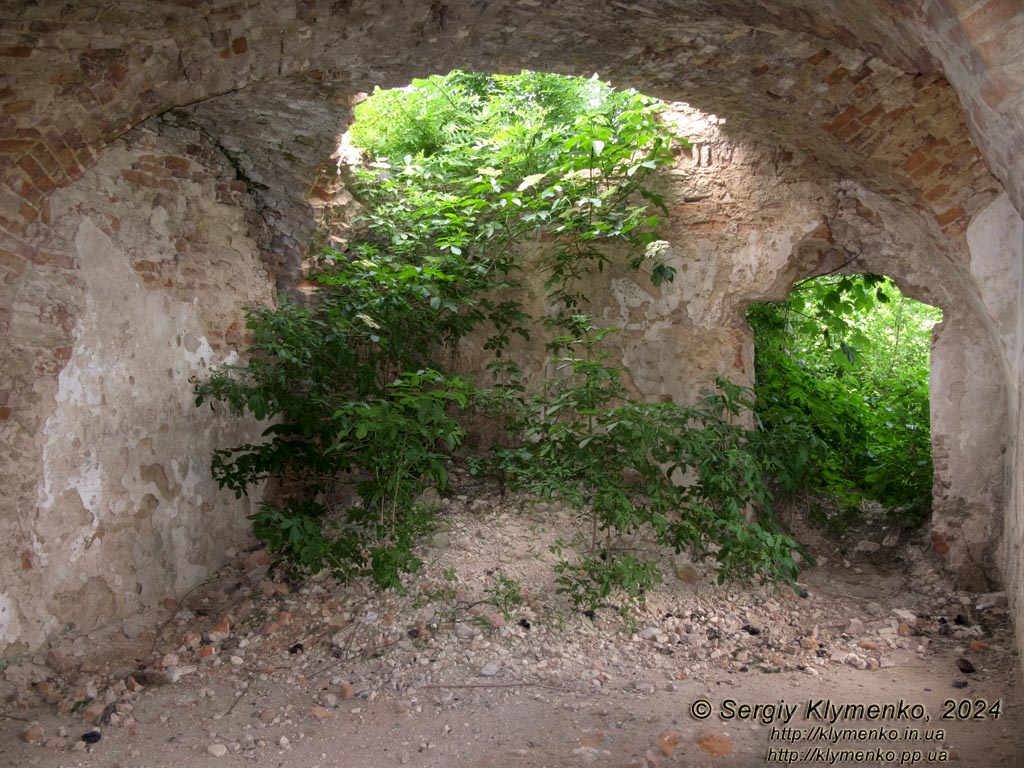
column 845, row 361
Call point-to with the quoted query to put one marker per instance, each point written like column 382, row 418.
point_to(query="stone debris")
column 344, row 645
column 715, row 744
column 667, row 743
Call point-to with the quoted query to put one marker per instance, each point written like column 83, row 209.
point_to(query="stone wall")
column 158, row 161
column 750, row 219
column 107, row 496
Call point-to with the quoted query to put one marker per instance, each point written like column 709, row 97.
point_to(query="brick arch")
column 865, row 232
column 790, row 73
column 238, row 104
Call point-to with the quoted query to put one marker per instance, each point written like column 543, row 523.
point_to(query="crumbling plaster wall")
column 157, row 259
column 857, row 85
column 748, row 220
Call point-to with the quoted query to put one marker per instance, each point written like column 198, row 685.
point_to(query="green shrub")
column 845, row 359
column 689, row 475
column 356, row 384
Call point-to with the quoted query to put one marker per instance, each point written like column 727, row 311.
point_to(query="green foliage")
column 470, row 165
column 590, row 581
column 466, row 168
column 505, row 594
column 353, row 382
column 687, row 474
column 845, row 359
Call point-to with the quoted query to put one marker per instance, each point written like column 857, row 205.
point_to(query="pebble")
column 174, row 674
column 905, row 616
column 704, row 633
column 217, row 750
column 170, row 660
column 715, row 744
column 667, row 742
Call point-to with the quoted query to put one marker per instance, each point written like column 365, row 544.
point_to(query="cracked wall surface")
column 172, row 174
column 115, row 507
column 748, row 220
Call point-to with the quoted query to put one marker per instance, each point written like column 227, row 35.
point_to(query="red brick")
column 915, row 160
column 54, row 260
column 841, row 119
column 957, row 227
column 30, row 193
column 18, row 107
column 239, row 45
column 16, row 51
column 850, row 130
column 12, row 261
column 176, row 163
column 872, row 114
column 134, row 177
column 864, row 137
column 896, row 115
column 15, row 146
column 819, row 57
column 31, row 167
column 930, row 166
column 65, row 157
column 836, row 75
column 85, row 157
column 948, row 217
column 997, row 89
column 990, row 16
column 28, row 213
column 935, row 193
column 47, row 161
column 863, row 73
column 5, row 412
column 73, row 139
column 824, row 232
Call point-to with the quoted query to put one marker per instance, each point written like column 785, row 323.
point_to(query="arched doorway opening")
column 846, row 359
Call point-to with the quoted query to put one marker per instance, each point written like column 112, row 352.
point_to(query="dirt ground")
column 479, row 663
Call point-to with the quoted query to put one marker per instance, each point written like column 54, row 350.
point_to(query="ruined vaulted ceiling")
column 861, row 84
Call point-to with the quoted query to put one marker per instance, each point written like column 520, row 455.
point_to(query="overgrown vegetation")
column 359, row 384
column 845, row 358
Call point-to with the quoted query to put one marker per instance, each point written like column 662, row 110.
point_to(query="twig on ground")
column 162, row 627
column 493, row 685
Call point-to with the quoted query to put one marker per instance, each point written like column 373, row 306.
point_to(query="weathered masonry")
column 163, row 165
